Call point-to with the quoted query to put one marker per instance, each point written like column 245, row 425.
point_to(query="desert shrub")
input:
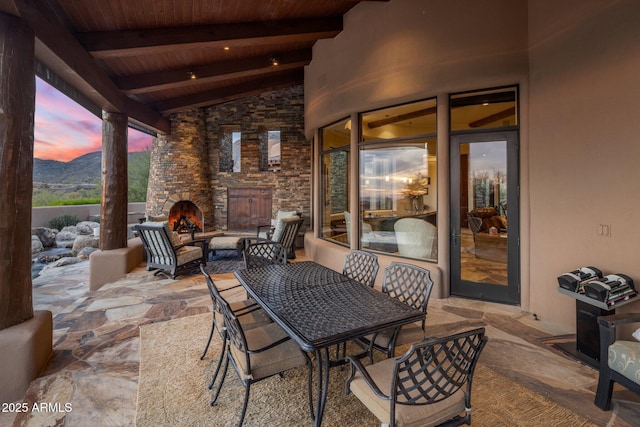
column 60, row 222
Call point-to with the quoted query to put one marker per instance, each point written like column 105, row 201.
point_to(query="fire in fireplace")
column 186, row 217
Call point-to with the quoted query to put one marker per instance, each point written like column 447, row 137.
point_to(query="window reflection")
column 335, row 140
column 398, row 180
column 398, row 203
column 397, row 188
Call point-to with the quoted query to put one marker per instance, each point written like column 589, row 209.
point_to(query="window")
column 334, row 170
column 397, row 157
column 230, row 149
column 273, row 150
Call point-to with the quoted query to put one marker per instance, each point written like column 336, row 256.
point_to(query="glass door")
column 484, row 217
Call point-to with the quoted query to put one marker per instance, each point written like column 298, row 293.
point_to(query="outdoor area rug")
column 172, row 390
column 224, row 262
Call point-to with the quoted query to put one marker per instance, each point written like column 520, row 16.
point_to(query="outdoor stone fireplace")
column 189, row 166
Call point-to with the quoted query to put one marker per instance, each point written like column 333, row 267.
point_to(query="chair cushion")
column 269, row 362
column 624, row 358
column 224, row 242
column 406, row 415
column 249, row 320
column 408, row 334
column 173, row 237
column 277, row 233
column 188, row 253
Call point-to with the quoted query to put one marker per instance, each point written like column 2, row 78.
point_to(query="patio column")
column 25, row 336
column 113, row 213
column 17, row 105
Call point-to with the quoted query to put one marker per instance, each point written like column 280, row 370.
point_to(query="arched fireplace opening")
column 186, row 217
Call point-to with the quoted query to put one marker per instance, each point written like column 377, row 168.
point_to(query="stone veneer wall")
column 179, row 169
column 254, row 116
column 186, row 165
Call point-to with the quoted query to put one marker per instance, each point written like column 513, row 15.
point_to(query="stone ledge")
column 26, row 349
column 109, row 266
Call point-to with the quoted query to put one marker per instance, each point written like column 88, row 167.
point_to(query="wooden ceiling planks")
column 148, row 47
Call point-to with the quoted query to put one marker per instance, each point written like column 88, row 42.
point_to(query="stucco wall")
column 584, row 150
column 404, row 50
column 576, row 63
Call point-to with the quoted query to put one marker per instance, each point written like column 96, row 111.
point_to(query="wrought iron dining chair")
column 361, row 266
column 257, row 354
column 411, row 285
column 262, row 253
column 430, row 385
column 248, row 311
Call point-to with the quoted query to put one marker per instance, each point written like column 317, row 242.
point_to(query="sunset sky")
column 65, row 130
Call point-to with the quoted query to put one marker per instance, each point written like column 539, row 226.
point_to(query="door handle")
column 455, row 238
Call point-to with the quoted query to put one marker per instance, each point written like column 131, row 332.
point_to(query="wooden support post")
column 113, row 215
column 17, row 105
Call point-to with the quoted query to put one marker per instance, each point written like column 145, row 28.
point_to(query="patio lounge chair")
column 166, row 252
column 619, row 359
column 285, row 233
column 429, row 385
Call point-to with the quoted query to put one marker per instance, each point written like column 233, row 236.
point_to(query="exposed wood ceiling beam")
column 58, row 50
column 230, row 93
column 402, row 117
column 104, row 44
column 245, row 67
column 493, row 117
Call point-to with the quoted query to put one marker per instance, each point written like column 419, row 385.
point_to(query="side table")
column 586, row 348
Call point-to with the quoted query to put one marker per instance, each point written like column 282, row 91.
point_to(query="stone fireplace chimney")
column 179, row 169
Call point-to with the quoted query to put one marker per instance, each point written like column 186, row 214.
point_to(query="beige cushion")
column 270, row 362
column 406, row 415
column 249, row 320
column 224, row 242
column 188, row 253
column 409, row 334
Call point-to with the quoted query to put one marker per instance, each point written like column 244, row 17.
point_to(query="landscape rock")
column 46, row 235
column 86, row 227
column 62, row 262
column 85, row 252
column 65, row 238
column 49, row 258
column 36, row 245
column 84, row 241
column 70, row 229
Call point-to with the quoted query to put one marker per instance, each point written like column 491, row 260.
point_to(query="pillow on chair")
column 173, row 236
column 279, row 224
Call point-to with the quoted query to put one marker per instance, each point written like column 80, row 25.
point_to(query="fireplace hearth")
column 186, row 217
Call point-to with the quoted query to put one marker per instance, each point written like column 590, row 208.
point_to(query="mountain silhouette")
column 85, row 169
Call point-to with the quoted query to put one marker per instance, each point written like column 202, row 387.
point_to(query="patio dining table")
column 319, row 308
